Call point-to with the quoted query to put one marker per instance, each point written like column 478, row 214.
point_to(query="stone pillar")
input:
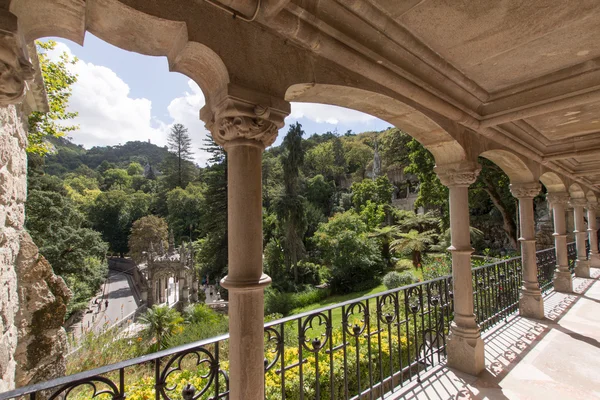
column 593, row 256
column 531, row 304
column 245, row 129
column 582, row 265
column 563, row 281
column 464, row 344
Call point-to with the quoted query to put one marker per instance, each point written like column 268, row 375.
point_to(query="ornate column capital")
column 458, row 174
column 234, row 118
column 15, row 68
column 558, row 198
column 592, row 206
column 578, row 202
column 525, row 190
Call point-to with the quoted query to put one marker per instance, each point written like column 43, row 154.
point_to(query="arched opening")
column 553, row 182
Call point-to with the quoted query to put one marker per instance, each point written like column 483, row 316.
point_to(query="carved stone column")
column 464, row 345
column 244, row 129
column 593, row 234
column 16, row 71
column 531, row 304
column 563, row 281
column 582, row 265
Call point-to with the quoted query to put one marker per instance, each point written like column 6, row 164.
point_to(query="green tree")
column 414, row 242
column 319, row 192
column 185, row 208
column 75, row 252
column 58, row 81
column 290, row 207
column 212, row 254
column 378, row 191
column 343, row 245
column 358, row 155
column 116, row 178
column 180, row 146
column 135, row 168
column 146, row 233
column 162, row 322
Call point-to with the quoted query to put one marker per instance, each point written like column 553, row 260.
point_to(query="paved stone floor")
column 554, row 358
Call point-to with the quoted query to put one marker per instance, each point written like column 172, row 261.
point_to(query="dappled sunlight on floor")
column 554, row 358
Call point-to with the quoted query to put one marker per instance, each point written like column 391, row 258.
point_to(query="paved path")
column 121, row 302
column 527, row 359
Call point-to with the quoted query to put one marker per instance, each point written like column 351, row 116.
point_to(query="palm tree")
column 162, row 322
column 445, row 240
column 414, row 241
column 386, row 234
column 419, row 222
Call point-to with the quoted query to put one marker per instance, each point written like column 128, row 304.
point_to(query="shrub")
column 395, row 279
column 436, row 267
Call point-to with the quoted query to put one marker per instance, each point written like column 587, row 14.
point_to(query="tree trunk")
column 509, row 225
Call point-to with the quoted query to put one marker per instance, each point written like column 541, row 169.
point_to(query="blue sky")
column 123, row 96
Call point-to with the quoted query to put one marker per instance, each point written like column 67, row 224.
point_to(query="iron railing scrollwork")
column 572, row 255
column 546, row 264
column 357, row 349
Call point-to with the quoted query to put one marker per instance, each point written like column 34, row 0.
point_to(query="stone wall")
column 13, row 181
column 32, row 299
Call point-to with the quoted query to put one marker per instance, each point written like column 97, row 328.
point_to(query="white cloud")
column 324, row 113
column 108, row 115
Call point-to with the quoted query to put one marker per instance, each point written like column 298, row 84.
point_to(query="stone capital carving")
column 234, row 118
column 525, row 190
column 592, row 206
column 578, row 202
column 458, row 174
column 558, row 198
column 15, row 68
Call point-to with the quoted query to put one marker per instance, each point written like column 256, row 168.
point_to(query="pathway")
column 554, row 358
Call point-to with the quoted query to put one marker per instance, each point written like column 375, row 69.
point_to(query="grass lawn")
column 336, row 313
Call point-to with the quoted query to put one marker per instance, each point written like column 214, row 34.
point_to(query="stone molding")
column 558, row 198
column 592, row 206
column 525, row 190
column 459, row 174
column 578, row 202
column 234, row 118
column 16, row 71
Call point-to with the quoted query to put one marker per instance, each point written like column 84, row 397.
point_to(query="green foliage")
column 414, row 242
column 178, row 166
column 113, row 213
column 283, row 303
column 162, row 322
column 394, row 279
column 346, row 249
column 135, row 168
column 437, row 266
column 319, row 192
column 212, row 254
column 116, row 178
column 57, row 82
column 75, row 252
column 185, row 209
column 147, row 233
column 378, row 191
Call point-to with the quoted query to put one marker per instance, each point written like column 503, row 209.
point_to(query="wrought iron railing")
column 546, row 265
column 496, row 291
column 358, row 349
column 362, row 348
column 572, row 255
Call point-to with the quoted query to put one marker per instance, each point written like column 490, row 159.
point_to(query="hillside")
column 67, row 156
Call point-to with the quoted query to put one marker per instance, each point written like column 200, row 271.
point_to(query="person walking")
column 106, row 304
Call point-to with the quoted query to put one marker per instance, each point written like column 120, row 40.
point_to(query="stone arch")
column 553, row 182
column 444, row 147
column 126, row 28
column 576, row 192
column 591, row 197
column 512, row 165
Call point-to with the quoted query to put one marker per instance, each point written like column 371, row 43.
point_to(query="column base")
column 594, row 260
column 582, row 269
column 465, row 350
column 563, row 281
column 531, row 304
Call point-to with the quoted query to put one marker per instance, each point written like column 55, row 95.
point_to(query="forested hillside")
column 327, row 207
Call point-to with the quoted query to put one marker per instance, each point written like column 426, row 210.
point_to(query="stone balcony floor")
column 554, row 358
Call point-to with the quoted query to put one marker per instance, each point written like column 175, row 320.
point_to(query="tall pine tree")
column 290, row 207
column 180, row 145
